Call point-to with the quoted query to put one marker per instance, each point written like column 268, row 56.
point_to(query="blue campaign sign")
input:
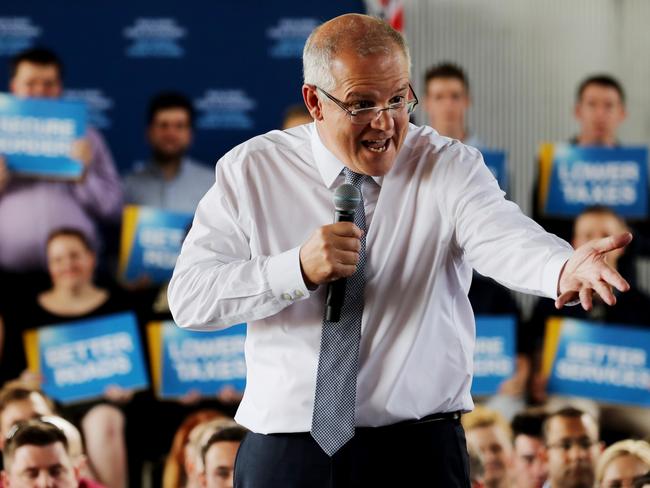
column 151, row 242
column 79, row 360
column 609, row 363
column 496, row 162
column 578, row 177
column 162, row 44
column 494, row 353
column 36, row 136
column 206, row 362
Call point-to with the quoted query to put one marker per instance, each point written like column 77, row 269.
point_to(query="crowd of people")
column 562, row 448
column 525, row 437
column 58, row 242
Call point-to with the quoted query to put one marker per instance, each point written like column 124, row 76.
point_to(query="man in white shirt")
column 373, row 399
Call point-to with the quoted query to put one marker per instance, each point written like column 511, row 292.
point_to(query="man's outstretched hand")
column 587, row 271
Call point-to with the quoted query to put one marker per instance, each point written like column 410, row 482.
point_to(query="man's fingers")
column 346, row 229
column 610, row 243
column 605, row 293
column 343, row 271
column 341, row 266
column 564, row 298
column 346, row 243
column 586, row 298
column 350, row 258
column 612, row 277
column 330, row 253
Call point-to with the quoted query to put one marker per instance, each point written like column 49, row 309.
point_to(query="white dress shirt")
column 435, row 215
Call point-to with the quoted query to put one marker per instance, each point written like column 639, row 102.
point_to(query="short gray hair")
column 366, row 35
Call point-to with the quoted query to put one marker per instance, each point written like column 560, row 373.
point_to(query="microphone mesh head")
column 346, row 198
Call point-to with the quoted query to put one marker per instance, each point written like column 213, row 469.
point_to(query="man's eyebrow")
column 358, row 95
column 367, row 95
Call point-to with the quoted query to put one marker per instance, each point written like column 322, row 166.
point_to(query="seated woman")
column 74, row 296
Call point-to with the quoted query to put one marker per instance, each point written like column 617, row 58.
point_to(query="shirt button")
column 286, row 296
column 298, row 294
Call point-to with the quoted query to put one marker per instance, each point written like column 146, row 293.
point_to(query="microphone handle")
column 336, row 289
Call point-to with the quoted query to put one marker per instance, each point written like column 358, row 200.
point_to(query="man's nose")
column 37, row 90
column 44, row 480
column 602, row 113
column 539, row 466
column 578, row 452
column 383, row 121
column 488, row 455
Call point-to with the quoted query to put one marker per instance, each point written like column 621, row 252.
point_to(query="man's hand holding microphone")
column 331, row 253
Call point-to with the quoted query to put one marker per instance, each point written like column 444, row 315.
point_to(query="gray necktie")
column 336, row 383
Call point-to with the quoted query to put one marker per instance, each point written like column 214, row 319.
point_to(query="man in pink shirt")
column 31, row 208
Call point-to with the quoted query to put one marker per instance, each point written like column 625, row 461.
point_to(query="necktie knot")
column 355, row 179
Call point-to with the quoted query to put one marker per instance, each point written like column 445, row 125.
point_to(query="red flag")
column 391, row 11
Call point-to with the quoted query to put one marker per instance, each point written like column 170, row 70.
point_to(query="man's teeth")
column 377, row 146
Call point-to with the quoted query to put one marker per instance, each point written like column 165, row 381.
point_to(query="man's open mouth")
column 378, row 146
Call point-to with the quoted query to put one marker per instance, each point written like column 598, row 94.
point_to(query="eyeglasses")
column 583, row 443
column 365, row 115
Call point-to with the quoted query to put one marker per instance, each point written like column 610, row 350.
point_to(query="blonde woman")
column 622, row 463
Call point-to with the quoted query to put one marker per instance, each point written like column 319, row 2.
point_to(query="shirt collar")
column 329, row 166
column 154, row 167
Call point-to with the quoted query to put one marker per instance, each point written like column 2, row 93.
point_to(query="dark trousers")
column 424, row 454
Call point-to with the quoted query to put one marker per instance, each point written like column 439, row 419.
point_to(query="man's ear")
column 81, row 463
column 312, row 102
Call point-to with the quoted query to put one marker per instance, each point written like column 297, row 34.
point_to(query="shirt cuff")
column 285, row 277
column 551, row 278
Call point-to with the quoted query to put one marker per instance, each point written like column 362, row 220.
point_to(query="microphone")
column 346, row 200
